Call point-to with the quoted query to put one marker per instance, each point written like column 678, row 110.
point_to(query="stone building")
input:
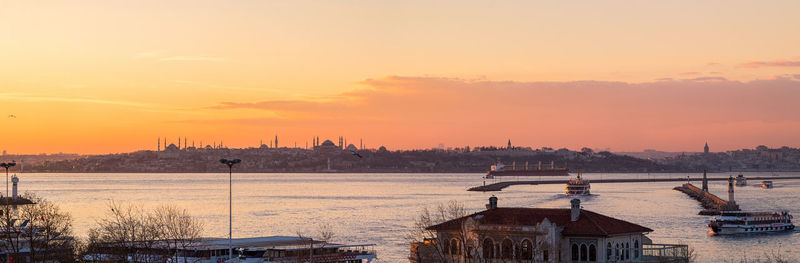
column 543, row 235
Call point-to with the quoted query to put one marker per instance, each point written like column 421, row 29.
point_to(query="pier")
column 501, row 185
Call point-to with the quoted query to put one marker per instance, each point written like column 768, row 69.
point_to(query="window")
column 627, row 250
column 584, row 253
column 636, row 249
column 446, row 247
column 526, row 252
column 575, row 252
column 616, row 251
column 454, row 247
column 545, row 255
column 592, row 253
column 608, row 252
column 488, row 248
column 507, row 249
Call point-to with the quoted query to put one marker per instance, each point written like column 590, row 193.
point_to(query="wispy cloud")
column 192, row 58
column 775, row 63
column 36, row 98
column 429, row 109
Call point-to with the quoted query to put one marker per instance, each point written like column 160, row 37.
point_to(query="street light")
column 7, row 165
column 230, row 164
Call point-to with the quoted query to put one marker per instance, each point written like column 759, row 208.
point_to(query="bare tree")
column 420, row 231
column 48, row 231
column 131, row 233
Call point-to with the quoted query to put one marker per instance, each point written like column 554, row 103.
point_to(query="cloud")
column 690, row 73
column 35, row 98
column 665, row 114
column 192, row 58
column 776, row 63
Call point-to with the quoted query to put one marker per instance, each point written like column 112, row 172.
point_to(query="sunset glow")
column 113, row 76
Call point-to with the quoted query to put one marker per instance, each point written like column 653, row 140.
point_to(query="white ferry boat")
column 737, row 222
column 766, row 184
column 741, row 180
column 578, row 186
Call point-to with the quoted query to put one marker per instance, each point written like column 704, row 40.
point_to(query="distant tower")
column 361, row 144
column 276, row 141
column 179, row 143
column 705, row 149
column 159, row 144
column 705, row 182
column 509, row 144
column 730, row 190
column 185, row 145
column 341, row 143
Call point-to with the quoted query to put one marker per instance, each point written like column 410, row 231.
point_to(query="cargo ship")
column 499, row 169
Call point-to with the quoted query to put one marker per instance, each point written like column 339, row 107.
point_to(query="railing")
column 666, row 252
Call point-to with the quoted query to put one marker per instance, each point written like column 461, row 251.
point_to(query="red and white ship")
column 500, row 169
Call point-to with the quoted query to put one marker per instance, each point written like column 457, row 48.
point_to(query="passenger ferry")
column 737, row 222
column 740, row 180
column 766, row 184
column 578, row 186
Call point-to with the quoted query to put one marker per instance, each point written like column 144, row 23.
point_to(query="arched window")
column 616, row 251
column 608, row 252
column 575, row 252
column 507, row 249
column 584, row 253
column 455, row 247
column 446, row 247
column 526, row 252
column 592, row 253
column 636, row 249
column 627, row 250
column 488, row 248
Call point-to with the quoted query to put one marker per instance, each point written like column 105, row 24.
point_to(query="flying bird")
column 354, row 153
column 12, row 116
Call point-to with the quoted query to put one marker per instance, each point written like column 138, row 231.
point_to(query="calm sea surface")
column 379, row 208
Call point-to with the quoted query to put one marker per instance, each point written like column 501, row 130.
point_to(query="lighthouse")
column 14, row 181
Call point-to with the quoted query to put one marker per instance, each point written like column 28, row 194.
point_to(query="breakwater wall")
column 711, row 203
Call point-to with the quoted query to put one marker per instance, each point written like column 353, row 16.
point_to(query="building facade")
column 542, row 235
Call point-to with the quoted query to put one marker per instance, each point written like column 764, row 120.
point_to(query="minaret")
column 361, row 144
column 185, row 145
column 276, row 141
column 179, row 143
column 159, row 144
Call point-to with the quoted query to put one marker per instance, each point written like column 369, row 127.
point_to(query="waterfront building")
column 269, row 249
column 542, row 235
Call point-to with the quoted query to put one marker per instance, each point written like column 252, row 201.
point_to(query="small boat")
column 739, row 222
column 578, row 186
column 741, row 180
column 766, row 184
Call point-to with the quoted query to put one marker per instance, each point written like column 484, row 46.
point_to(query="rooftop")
column 588, row 224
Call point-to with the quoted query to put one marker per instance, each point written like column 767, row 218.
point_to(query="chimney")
column 492, row 203
column 576, row 209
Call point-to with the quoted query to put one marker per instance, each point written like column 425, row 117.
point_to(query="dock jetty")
column 501, row 185
column 713, row 204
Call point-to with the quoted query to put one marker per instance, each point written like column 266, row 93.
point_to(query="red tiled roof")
column 588, row 224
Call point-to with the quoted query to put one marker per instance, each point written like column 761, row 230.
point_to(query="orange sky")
column 108, row 76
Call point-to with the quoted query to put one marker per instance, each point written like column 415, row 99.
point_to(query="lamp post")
column 7, row 165
column 230, row 164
